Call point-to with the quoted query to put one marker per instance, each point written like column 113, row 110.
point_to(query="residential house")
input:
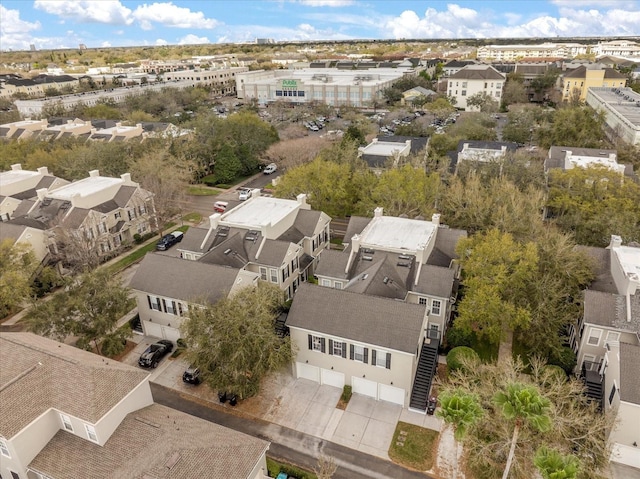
column 454, row 66
column 567, row 158
column 480, row 151
column 165, row 286
column 617, row 48
column 96, row 214
column 23, row 129
column 472, row 80
column 416, row 92
column 18, row 185
column 622, row 390
column 367, row 342
column 385, row 151
column 34, row 238
column 118, row 132
column 67, row 412
column 611, row 311
column 574, row 84
column 621, row 109
column 71, row 128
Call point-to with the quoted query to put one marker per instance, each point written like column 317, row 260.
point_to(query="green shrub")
column 346, row 393
column 181, row 344
column 223, row 186
column 137, row 238
column 556, row 372
column 565, row 358
column 274, row 468
column 210, row 180
column 460, row 355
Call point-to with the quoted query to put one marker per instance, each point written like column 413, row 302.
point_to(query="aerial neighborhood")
column 316, row 259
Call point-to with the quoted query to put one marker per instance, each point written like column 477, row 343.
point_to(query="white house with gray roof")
column 567, row 158
column 70, row 413
column 345, row 338
column 474, row 79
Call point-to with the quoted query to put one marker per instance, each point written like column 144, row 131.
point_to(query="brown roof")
column 146, row 442
column 359, row 317
column 37, row 374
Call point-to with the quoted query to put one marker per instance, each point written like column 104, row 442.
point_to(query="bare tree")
column 296, row 152
column 326, row 467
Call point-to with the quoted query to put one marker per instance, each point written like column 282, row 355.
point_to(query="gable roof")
column 382, row 322
column 183, row 279
column 332, row 263
column 610, row 310
column 444, row 251
column 629, row 378
column 145, row 443
column 435, row 281
column 38, row 374
column 477, row 72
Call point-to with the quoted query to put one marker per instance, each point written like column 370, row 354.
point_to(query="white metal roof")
column 384, row 148
column 84, row 187
column 259, row 211
column 629, row 257
column 16, row 176
column 397, row 233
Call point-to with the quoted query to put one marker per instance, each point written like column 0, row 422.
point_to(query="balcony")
column 593, row 381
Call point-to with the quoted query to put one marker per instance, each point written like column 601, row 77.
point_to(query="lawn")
column 414, row 446
column 203, row 191
column 192, row 218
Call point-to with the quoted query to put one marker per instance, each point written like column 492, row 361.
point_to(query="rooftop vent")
column 404, row 264
column 65, row 205
column 172, row 461
column 405, row 256
column 364, row 276
column 46, row 202
column 227, row 251
column 368, row 251
column 385, row 280
column 367, row 258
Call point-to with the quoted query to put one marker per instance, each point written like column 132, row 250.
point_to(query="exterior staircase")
column 427, row 365
column 594, row 382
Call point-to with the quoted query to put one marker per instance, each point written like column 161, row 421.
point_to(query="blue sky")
column 96, row 23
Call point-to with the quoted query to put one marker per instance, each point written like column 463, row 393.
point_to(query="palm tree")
column 553, row 465
column 526, row 405
column 461, row 410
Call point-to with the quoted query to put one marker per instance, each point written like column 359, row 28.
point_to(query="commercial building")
column 621, row 107
column 325, row 85
column 474, row 79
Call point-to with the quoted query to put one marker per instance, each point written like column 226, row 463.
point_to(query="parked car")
column 220, row 206
column 154, row 353
column 270, row 168
column 167, row 241
column 244, row 194
column 192, row 375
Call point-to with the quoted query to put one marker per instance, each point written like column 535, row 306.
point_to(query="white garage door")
column 365, row 387
column 308, row 372
column 391, row 394
column 152, row 329
column 332, row 378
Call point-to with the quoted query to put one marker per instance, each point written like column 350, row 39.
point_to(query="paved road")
column 290, row 445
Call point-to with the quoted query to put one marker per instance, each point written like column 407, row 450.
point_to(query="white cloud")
column 170, row 15
column 105, row 44
column 160, row 42
column 14, row 32
column 625, row 4
column 88, row 11
column 326, row 3
column 192, row 39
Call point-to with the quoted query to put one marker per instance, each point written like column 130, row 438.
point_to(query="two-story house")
column 575, row 83
column 474, row 79
column 611, row 312
column 569, row 157
column 481, row 152
column 390, row 151
column 70, row 413
column 96, row 214
column 370, row 343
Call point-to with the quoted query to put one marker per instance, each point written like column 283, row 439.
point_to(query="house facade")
column 567, row 158
column 576, row 83
column 474, row 79
column 345, row 338
column 100, row 417
column 391, row 151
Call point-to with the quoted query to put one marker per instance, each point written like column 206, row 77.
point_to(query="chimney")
column 43, row 170
column 126, row 178
column 377, row 213
column 42, row 193
column 612, row 157
column 435, row 219
column 94, row 173
column 465, row 146
column 355, row 247
column 214, row 221
column 616, row 242
column 16, row 167
column 302, row 199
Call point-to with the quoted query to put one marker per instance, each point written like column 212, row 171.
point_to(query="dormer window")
column 66, row 422
column 4, row 449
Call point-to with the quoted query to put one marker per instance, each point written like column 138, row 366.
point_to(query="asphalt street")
column 290, row 445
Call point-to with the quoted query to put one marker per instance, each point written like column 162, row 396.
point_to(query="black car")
column 192, row 375
column 154, row 353
column 167, row 241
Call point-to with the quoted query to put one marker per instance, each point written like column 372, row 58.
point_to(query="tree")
column 483, row 102
column 89, row 307
column 525, row 406
column 554, row 465
column 514, row 92
column 326, row 467
column 233, row 342
column 461, row 410
column 17, row 265
column 578, row 126
column 295, row 152
column 440, row 108
column 227, row 166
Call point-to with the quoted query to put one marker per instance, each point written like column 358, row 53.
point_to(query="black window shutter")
column 310, row 341
column 322, row 343
column 344, row 350
column 173, row 304
column 164, row 305
column 351, row 351
column 331, row 346
column 388, row 361
column 366, row 355
column 149, row 299
column 373, row 357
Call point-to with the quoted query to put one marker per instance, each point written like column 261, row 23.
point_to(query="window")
column 102, row 228
column 316, row 343
column 285, row 273
column 338, row 348
column 169, row 306
column 91, row 433
column 4, row 449
column 359, row 353
column 435, row 307
column 381, row 359
column 337, row 285
column 464, row 92
column 464, row 84
column 613, row 336
column 325, row 282
column 263, row 273
column 14, row 475
column 66, row 422
column 180, row 309
column 612, row 394
column 274, row 275
column 594, row 336
column 423, row 301
column 154, row 303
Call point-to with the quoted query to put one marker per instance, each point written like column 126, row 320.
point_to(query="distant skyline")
column 50, row 24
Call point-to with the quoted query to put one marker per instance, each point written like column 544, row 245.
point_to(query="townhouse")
column 472, row 80
column 389, row 151
column 575, row 83
column 67, row 412
column 569, row 157
column 480, row 151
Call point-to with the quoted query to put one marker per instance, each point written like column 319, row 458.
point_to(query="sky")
column 103, row 23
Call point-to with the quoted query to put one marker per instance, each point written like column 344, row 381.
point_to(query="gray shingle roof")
column 193, row 238
column 11, row 231
column 368, row 319
column 37, row 374
column 610, row 310
column 355, row 226
column 629, row 377
column 435, row 281
column 332, row 263
column 601, row 261
column 444, row 251
column 475, row 72
column 146, row 441
column 183, row 279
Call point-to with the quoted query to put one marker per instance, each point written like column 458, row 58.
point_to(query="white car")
column 271, row 168
column 244, row 194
